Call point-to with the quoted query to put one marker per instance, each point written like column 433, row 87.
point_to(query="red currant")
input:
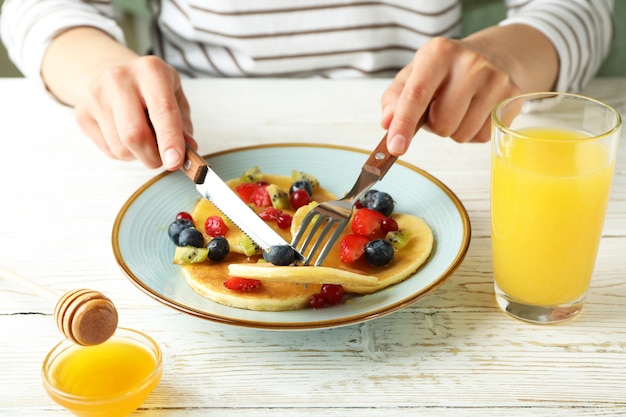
column 329, row 295
column 317, row 301
column 284, row 221
column 184, row 215
column 333, row 293
column 299, row 198
column 389, row 224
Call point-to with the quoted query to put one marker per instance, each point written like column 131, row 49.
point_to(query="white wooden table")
column 451, row 353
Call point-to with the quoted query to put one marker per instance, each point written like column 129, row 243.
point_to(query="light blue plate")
column 144, row 251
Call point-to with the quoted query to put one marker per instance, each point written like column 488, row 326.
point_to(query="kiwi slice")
column 398, row 239
column 253, row 174
column 190, row 255
column 299, row 175
column 280, row 199
column 248, row 246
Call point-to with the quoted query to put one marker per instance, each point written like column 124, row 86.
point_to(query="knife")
column 212, row 187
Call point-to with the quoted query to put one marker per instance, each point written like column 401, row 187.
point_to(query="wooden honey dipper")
column 86, row 317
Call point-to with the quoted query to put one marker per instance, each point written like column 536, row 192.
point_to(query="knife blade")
column 212, row 187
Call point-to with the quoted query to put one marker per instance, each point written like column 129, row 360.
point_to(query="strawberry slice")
column 254, row 193
column 242, row 284
column 215, row 226
column 260, row 197
column 270, row 214
column 245, row 190
column 367, row 222
column 352, row 247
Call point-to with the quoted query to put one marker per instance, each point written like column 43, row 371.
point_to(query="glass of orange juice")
column 552, row 164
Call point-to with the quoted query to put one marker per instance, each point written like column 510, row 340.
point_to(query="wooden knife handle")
column 195, row 167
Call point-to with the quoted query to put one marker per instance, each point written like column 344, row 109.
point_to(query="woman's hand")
column 137, row 110
column 457, row 83
column 131, row 106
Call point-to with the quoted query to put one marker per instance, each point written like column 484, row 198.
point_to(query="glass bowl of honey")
column 111, row 379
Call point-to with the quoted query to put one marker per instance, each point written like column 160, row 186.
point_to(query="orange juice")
column 548, row 201
column 111, row 379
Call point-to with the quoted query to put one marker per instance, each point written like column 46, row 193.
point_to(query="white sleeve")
column 580, row 30
column 28, row 26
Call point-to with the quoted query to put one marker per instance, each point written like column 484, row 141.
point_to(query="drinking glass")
column 552, row 161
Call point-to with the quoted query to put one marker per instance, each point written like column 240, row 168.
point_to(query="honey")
column 110, row 379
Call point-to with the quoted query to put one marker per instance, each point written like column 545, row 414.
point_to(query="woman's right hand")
column 137, row 110
column 130, row 106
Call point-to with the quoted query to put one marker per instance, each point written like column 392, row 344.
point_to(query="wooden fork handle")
column 381, row 160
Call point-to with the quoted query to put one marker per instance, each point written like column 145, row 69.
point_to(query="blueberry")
column 176, row 227
column 218, row 248
column 367, row 197
column 191, row 237
column 378, row 252
column 281, row 255
column 301, row 185
column 381, row 202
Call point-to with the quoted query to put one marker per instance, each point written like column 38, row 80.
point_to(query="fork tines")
column 334, row 215
column 315, row 227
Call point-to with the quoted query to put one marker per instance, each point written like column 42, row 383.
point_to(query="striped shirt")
column 305, row 38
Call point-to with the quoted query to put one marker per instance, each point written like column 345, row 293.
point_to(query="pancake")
column 207, row 279
column 289, row 287
column 405, row 263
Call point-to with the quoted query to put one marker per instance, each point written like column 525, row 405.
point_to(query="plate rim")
column 299, row 325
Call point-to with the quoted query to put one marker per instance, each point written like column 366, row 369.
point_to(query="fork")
column 335, row 215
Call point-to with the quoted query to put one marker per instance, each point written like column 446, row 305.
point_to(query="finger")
column 133, row 127
column 390, row 96
column 419, row 91
column 95, row 115
column 454, row 97
column 186, row 116
column 484, row 133
column 475, row 124
column 185, row 110
column 473, row 121
column 192, row 142
column 165, row 114
column 101, row 127
column 447, row 112
column 106, row 124
column 89, row 127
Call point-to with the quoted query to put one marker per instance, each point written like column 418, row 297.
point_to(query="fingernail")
column 397, row 145
column 171, row 158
